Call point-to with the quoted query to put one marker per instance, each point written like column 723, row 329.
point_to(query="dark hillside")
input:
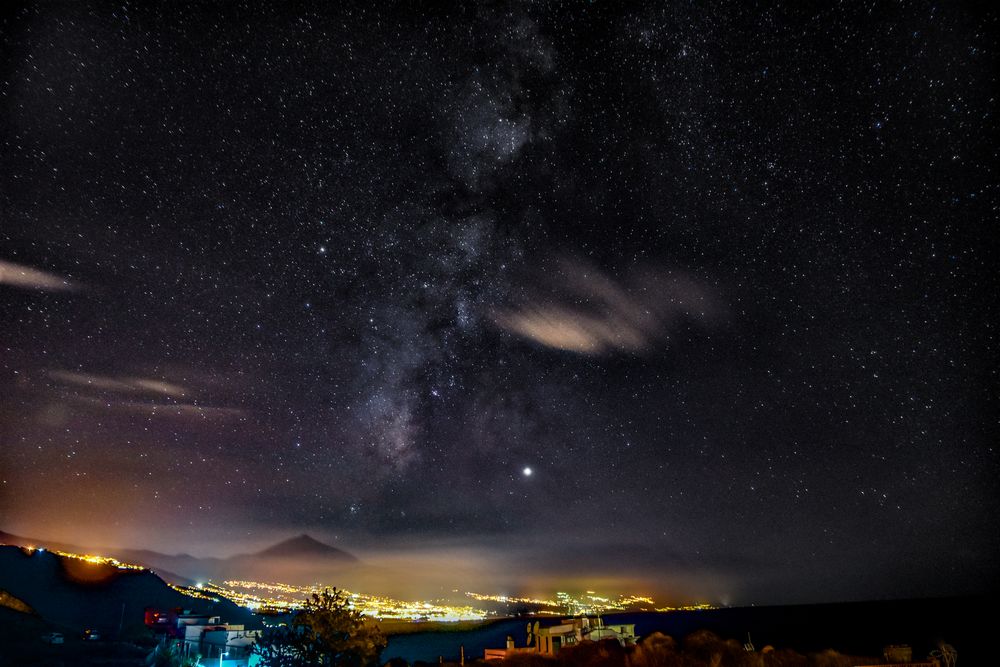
column 77, row 595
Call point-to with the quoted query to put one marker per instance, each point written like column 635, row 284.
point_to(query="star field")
column 706, row 292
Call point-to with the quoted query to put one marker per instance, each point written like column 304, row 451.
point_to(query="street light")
column 221, row 656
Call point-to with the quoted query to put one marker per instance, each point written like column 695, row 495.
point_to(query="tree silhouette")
column 327, row 632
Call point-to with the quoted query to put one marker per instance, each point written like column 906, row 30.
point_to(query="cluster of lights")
column 278, row 597
column 508, row 599
column 690, row 607
column 590, row 603
column 566, row 604
column 194, row 592
column 89, row 558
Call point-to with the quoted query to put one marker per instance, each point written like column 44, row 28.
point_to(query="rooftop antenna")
column 748, row 647
column 947, row 654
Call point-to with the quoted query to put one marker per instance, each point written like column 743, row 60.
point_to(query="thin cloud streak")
column 119, row 384
column 26, row 277
column 139, row 395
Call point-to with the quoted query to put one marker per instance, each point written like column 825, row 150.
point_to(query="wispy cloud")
column 586, row 311
column 27, row 277
column 152, row 396
column 119, row 384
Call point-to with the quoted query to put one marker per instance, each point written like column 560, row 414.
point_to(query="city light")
column 277, row 597
column 87, row 558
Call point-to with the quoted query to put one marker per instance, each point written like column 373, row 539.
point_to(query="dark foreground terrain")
column 855, row 628
column 41, row 592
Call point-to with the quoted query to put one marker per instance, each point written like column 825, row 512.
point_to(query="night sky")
column 698, row 294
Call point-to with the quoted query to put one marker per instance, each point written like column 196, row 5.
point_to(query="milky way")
column 706, row 293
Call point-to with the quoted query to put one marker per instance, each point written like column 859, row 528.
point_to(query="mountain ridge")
column 302, row 551
column 304, row 545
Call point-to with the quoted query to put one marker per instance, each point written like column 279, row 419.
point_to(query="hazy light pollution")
column 693, row 300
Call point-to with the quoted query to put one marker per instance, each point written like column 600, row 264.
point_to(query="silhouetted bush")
column 529, row 660
column 656, row 650
column 700, row 649
column 605, row 653
column 785, row 658
column 712, row 650
column 830, row 658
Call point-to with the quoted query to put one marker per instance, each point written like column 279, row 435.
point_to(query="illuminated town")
column 590, row 603
column 276, row 597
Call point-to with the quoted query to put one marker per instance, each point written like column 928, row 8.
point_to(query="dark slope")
column 78, row 595
column 856, row 628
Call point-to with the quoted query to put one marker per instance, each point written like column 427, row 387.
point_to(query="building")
column 225, row 644
column 232, row 645
column 575, row 630
column 569, row 632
